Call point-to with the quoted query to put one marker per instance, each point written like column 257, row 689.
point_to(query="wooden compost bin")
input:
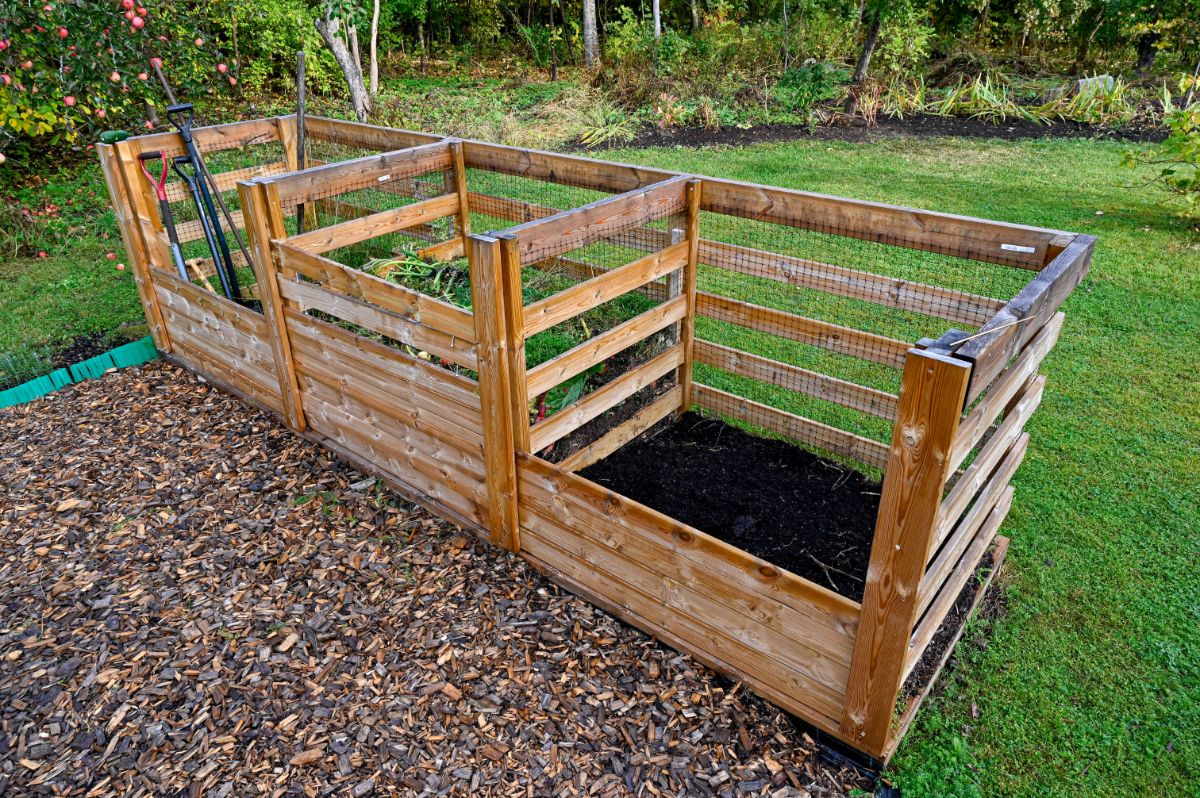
column 434, row 395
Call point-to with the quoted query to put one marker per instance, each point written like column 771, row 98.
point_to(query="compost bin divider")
column 334, row 351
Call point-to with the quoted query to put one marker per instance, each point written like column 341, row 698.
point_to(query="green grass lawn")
column 1090, row 685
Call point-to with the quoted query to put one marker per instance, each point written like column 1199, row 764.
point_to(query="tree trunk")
column 553, row 49
column 786, row 54
column 352, row 41
column 1191, row 93
column 591, row 39
column 421, row 36
column 695, row 17
column 375, row 50
column 868, row 50
column 361, row 101
column 1146, row 51
column 657, row 12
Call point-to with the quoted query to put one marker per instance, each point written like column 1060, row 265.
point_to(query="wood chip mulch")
column 196, row 602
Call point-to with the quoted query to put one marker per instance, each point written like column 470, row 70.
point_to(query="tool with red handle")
column 164, row 207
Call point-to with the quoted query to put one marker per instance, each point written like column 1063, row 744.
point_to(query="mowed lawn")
column 1090, row 685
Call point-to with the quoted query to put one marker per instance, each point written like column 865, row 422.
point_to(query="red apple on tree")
column 222, row 68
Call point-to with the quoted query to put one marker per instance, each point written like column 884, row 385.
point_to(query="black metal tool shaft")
column 229, row 285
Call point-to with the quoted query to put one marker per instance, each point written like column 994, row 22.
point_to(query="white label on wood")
column 1018, row 248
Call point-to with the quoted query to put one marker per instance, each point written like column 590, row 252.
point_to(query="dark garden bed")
column 798, row 511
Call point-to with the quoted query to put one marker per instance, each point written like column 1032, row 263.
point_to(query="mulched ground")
column 195, row 602
column 775, row 500
column 916, row 125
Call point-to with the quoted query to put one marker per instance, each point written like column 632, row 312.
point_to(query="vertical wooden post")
column 264, row 222
column 514, row 339
column 112, row 165
column 484, row 254
column 932, row 393
column 460, row 187
column 688, row 325
column 288, row 137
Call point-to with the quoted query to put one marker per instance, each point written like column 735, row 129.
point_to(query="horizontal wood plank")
column 367, row 137
column 382, row 223
column 369, row 172
column 450, row 348
column 599, row 348
column 552, row 167
column 928, row 300
column 405, row 302
column 545, row 313
column 615, row 438
column 794, row 378
column 823, row 436
column 823, row 334
column 609, row 395
column 578, row 227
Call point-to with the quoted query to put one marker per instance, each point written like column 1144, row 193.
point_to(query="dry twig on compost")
column 196, row 602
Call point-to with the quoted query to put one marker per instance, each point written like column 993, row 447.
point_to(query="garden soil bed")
column 195, row 601
column 918, row 126
column 777, row 501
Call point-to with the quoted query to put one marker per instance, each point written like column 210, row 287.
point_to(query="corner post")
column 932, row 393
column 132, row 210
column 513, row 303
column 460, row 188
column 262, row 226
column 688, row 328
column 495, row 388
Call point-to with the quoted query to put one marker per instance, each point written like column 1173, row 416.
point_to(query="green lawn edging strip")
column 131, row 354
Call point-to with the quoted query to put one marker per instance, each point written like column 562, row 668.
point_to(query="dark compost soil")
column 802, row 513
column 918, row 125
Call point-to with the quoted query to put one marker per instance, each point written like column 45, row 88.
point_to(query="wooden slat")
column 222, row 345
column 360, row 134
column 371, row 171
column 912, row 706
column 794, row 378
column 578, row 413
column 622, row 434
column 578, row 227
column 603, row 346
column 957, row 541
column 211, row 138
column 495, row 390
column 443, row 250
column 451, row 348
column 405, row 302
column 686, row 280
column 834, row 337
column 929, row 300
column 946, row 597
column 545, row 313
column 977, row 422
column 226, row 181
column 1038, row 302
column 198, row 361
column 114, row 178
column 411, row 401
column 689, row 611
column 962, row 236
column 377, row 224
column 931, row 398
column 570, row 170
column 445, row 385
column 813, row 433
column 742, row 573
column 994, row 447
column 505, row 208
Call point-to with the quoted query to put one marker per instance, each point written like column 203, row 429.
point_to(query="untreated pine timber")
column 398, row 299
column 578, row 413
column 805, row 430
column 266, row 224
column 578, row 227
column 785, row 375
column 929, row 300
column 823, row 334
column 367, row 137
column 378, row 224
column 687, row 275
column 1008, row 332
column 931, row 399
column 113, row 168
column 961, row 236
column 495, row 389
column 603, row 346
column 369, row 172
column 511, row 302
column 629, row 429
column 568, row 170
column 580, row 298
